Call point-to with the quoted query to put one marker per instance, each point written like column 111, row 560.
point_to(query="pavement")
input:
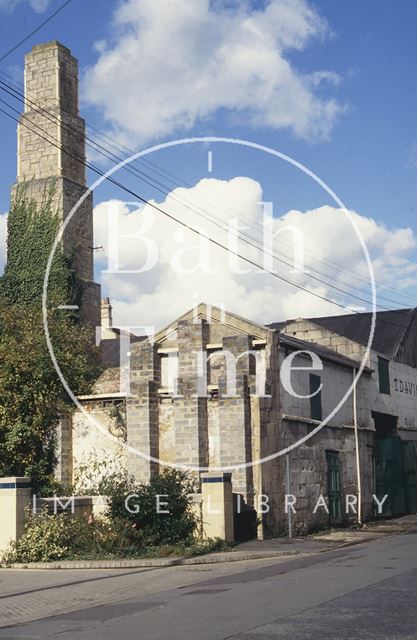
column 252, row 550
column 366, row 590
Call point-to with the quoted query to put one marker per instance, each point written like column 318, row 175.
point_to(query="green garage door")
column 410, row 475
column 396, row 475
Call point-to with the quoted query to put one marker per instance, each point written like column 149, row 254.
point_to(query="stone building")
column 387, row 405
column 179, row 412
column 214, row 391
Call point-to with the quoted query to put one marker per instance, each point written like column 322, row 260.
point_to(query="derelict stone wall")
column 142, row 410
column 308, row 474
column 190, row 410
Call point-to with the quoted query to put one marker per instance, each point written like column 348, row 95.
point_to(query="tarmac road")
column 366, row 591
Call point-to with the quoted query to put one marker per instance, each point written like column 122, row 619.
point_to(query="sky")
column 331, row 84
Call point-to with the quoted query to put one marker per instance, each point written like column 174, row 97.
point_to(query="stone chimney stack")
column 106, row 313
column 107, row 332
column 51, row 151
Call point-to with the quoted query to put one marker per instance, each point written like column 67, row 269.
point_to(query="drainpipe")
column 288, row 490
column 358, row 461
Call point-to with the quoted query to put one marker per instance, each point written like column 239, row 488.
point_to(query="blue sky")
column 366, row 151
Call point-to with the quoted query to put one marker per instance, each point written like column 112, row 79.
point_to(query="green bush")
column 47, row 538
column 51, row 538
column 62, row 536
column 138, row 504
column 141, row 532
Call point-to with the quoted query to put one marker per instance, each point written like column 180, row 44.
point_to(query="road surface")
column 365, row 591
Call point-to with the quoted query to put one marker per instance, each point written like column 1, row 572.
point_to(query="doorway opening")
column 334, row 487
column 385, row 424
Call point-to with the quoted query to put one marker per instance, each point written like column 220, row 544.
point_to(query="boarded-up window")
column 169, row 371
column 315, row 397
column 383, row 374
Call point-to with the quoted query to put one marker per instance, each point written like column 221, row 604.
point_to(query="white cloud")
column 172, row 65
column 3, row 240
column 158, row 296
column 38, row 5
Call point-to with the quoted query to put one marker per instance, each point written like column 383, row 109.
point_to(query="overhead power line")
column 197, row 209
column 194, row 208
column 32, row 33
column 171, row 216
column 248, row 239
column 133, row 193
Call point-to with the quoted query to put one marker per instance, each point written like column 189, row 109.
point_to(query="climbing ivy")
column 31, row 393
column 32, row 229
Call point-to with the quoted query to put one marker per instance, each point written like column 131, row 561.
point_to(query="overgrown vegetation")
column 160, row 510
column 94, row 474
column 143, row 520
column 120, row 534
column 31, row 393
column 31, row 231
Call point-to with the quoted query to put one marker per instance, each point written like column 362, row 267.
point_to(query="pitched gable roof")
column 325, row 353
column 395, row 331
column 390, row 328
column 211, row 313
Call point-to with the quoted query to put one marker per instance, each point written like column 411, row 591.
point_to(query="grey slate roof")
column 391, row 328
column 324, row 352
